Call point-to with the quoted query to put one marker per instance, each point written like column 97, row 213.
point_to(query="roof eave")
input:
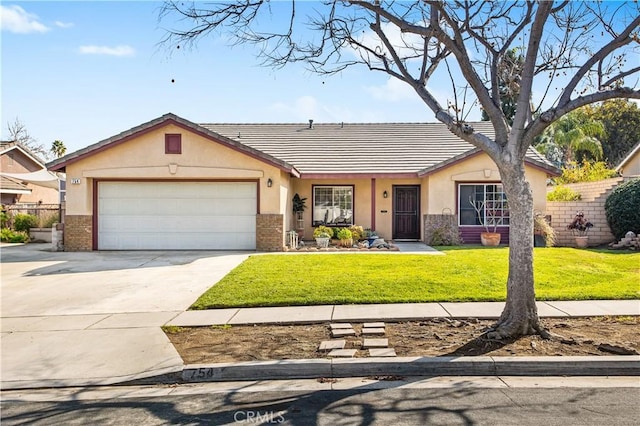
column 628, row 158
column 25, row 151
column 61, row 163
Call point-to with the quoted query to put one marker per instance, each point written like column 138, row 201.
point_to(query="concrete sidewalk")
column 395, row 312
column 102, row 349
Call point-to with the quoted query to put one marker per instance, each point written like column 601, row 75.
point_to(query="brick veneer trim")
column 270, row 232
column 78, row 233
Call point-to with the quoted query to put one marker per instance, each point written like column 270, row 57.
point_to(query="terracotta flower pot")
column 582, row 242
column 491, row 239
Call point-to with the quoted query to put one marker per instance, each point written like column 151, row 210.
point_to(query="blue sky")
column 85, row 71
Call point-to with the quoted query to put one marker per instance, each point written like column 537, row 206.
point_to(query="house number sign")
column 75, row 181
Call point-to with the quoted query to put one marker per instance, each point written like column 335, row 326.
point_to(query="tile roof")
column 10, row 185
column 367, row 148
column 390, row 149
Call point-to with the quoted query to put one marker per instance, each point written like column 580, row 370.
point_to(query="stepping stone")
column 328, row 345
column 369, row 331
column 382, row 352
column 343, row 353
column 375, row 343
column 341, row 332
column 340, row 325
column 373, row 325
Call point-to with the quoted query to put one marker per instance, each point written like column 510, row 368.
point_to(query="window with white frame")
column 332, row 205
column 482, row 204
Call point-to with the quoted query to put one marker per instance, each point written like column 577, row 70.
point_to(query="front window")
column 333, row 205
column 489, row 199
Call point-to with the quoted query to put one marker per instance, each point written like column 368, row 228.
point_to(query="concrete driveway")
column 94, row 318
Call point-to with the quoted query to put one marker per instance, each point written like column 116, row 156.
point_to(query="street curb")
column 415, row 366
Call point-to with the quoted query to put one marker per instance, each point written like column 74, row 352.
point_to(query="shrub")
column 356, row 232
column 344, row 234
column 22, row 222
column 586, row 172
column 9, row 236
column 443, row 234
column 51, row 220
column 542, row 227
column 4, row 219
column 621, row 208
column 322, row 230
column 563, row 193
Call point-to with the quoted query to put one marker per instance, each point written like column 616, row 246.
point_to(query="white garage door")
column 177, row 215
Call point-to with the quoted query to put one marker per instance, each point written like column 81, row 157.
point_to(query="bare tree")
column 18, row 133
column 579, row 47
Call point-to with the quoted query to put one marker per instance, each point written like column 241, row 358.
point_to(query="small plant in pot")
column 370, row 235
column 579, row 227
column 486, row 214
column 322, row 235
column 346, row 237
column 299, row 205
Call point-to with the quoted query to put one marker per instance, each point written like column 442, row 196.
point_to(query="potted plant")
column 345, row 236
column 489, row 237
column 370, row 235
column 543, row 233
column 322, row 235
column 299, row 205
column 579, row 227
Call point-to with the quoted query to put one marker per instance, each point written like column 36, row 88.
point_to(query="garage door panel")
column 177, row 215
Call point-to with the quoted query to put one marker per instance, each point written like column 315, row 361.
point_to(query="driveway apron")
column 95, row 317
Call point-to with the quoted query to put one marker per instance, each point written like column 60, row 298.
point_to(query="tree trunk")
column 520, row 315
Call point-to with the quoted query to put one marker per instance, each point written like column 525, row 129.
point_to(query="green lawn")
column 463, row 274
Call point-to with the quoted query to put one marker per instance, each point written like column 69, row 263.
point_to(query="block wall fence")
column 594, row 195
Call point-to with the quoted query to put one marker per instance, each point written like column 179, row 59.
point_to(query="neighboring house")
column 24, row 179
column 174, row 184
column 630, row 166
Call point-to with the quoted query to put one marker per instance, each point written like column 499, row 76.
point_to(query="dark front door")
column 406, row 212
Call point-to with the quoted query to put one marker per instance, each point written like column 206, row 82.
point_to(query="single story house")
column 630, row 165
column 173, row 184
column 24, row 179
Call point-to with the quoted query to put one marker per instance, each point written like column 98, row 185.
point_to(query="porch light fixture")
column 385, row 194
column 269, row 183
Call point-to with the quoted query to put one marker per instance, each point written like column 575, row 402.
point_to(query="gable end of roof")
column 169, row 118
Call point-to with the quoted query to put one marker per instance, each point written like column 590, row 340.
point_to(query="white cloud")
column 122, row 50
column 61, row 24
column 17, row 20
column 406, row 45
column 393, row 90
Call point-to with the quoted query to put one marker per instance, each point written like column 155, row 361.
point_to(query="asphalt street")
column 371, row 403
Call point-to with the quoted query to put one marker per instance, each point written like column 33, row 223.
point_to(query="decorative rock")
column 370, row 331
column 343, row 353
column 617, row 350
column 386, row 352
column 373, row 325
column 375, row 343
column 341, row 325
column 329, row 345
column 343, row 332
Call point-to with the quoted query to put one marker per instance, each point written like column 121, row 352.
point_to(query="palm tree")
column 58, row 149
column 573, row 138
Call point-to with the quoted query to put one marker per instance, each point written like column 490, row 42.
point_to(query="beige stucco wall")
column 632, row 167
column 144, row 158
column 480, row 168
column 363, row 201
column 437, row 193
